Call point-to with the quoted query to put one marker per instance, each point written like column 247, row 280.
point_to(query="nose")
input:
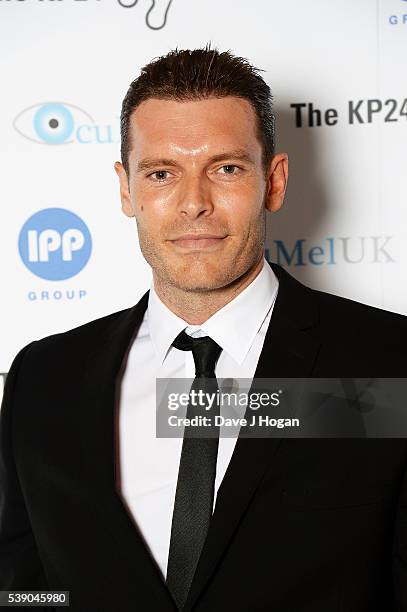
column 195, row 197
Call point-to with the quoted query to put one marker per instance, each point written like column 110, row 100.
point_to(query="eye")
column 50, row 122
column 229, row 169
column 160, row 175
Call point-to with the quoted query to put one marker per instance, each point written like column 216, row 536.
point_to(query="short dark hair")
column 196, row 74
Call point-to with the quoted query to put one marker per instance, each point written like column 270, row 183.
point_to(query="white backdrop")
column 65, row 67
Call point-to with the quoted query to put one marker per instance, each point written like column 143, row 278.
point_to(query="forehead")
column 199, row 125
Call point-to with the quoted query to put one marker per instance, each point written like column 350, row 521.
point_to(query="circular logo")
column 53, row 123
column 55, row 244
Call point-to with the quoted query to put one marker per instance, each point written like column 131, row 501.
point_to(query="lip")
column 197, row 241
column 196, row 237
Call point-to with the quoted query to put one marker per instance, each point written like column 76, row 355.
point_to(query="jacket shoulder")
column 339, row 310
column 77, row 337
column 364, row 339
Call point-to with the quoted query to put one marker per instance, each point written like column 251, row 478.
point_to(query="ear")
column 124, row 189
column 277, row 178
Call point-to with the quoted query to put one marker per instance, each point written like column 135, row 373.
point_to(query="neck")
column 196, row 307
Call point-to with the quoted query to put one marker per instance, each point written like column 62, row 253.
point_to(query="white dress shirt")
column 148, row 466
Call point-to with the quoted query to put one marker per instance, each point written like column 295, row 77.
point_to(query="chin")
column 197, row 272
column 201, row 280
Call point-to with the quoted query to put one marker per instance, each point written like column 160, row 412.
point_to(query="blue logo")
column 58, row 123
column 55, row 244
column 53, row 123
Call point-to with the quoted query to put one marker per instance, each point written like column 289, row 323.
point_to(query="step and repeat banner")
column 337, row 71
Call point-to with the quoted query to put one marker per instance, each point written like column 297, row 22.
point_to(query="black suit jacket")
column 300, row 525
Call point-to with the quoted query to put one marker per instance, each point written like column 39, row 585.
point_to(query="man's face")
column 198, row 189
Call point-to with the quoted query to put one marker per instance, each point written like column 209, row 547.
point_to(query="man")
column 93, row 502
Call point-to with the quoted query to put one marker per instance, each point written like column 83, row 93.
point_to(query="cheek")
column 154, row 223
column 151, row 209
column 240, row 207
column 244, row 196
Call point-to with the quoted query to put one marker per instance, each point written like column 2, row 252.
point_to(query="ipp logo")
column 57, row 123
column 55, row 244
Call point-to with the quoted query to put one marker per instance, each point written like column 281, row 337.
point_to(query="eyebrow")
column 150, row 162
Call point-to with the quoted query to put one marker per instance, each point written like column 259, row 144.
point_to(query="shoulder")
column 363, row 338
column 352, row 337
column 331, row 311
column 71, row 344
column 346, row 314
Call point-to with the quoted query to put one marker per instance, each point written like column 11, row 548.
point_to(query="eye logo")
column 53, row 123
column 56, row 123
column 55, row 244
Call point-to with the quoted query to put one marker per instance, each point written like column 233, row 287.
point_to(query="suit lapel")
column 289, row 350
column 122, row 540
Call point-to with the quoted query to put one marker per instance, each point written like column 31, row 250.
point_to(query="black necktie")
column 196, row 475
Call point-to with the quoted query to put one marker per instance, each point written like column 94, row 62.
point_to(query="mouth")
column 197, row 242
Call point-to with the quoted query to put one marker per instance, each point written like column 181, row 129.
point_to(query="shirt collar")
column 233, row 327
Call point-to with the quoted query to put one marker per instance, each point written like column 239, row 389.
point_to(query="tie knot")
column 204, row 350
